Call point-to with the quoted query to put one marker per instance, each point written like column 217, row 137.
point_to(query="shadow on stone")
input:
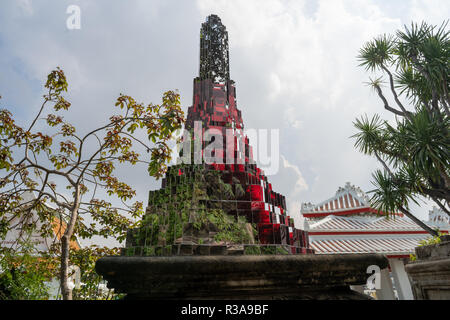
column 261, row 277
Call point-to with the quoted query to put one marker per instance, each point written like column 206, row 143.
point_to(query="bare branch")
column 41, row 109
column 418, row 222
column 386, row 104
column 405, row 113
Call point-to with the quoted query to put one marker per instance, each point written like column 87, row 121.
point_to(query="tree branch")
column 394, row 93
column 418, row 222
column 386, row 104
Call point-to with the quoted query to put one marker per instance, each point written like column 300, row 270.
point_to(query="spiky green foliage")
column 377, row 52
column 414, row 151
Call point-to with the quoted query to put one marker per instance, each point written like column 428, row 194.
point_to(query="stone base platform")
column 430, row 274
column 244, row 277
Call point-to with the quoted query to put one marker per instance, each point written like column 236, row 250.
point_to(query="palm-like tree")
column 414, row 152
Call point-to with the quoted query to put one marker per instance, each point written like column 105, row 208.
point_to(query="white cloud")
column 290, row 182
column 431, row 11
column 26, row 7
column 300, row 183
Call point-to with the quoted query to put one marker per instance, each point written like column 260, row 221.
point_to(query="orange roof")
column 59, row 227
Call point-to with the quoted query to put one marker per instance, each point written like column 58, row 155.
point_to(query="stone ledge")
column 434, row 251
column 239, row 277
column 430, row 273
column 428, row 266
column 430, row 279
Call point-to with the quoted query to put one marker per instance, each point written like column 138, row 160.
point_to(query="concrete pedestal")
column 430, row 274
column 243, row 277
column 401, row 280
column 385, row 291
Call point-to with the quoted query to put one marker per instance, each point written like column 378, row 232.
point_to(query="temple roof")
column 342, row 235
column 347, row 200
column 339, row 224
column 396, row 246
column 350, row 225
column 438, row 218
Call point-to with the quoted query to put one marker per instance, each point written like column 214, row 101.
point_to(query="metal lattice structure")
column 214, row 58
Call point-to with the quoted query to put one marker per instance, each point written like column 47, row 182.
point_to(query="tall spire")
column 214, row 61
column 222, row 204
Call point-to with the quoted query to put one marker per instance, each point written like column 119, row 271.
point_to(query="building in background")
column 348, row 224
column 439, row 219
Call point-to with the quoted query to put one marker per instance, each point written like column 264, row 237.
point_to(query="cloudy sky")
column 294, row 63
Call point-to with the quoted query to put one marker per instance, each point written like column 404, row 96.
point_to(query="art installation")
column 224, row 205
column 216, row 229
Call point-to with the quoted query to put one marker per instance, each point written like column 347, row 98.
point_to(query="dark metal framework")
column 214, row 58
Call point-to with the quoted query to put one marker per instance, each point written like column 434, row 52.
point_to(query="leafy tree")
column 92, row 286
column 82, row 164
column 414, row 152
column 23, row 276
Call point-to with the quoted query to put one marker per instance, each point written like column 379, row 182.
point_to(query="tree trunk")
column 65, row 246
column 434, row 233
column 65, row 290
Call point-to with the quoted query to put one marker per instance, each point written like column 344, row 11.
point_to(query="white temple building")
column 438, row 219
column 348, row 224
